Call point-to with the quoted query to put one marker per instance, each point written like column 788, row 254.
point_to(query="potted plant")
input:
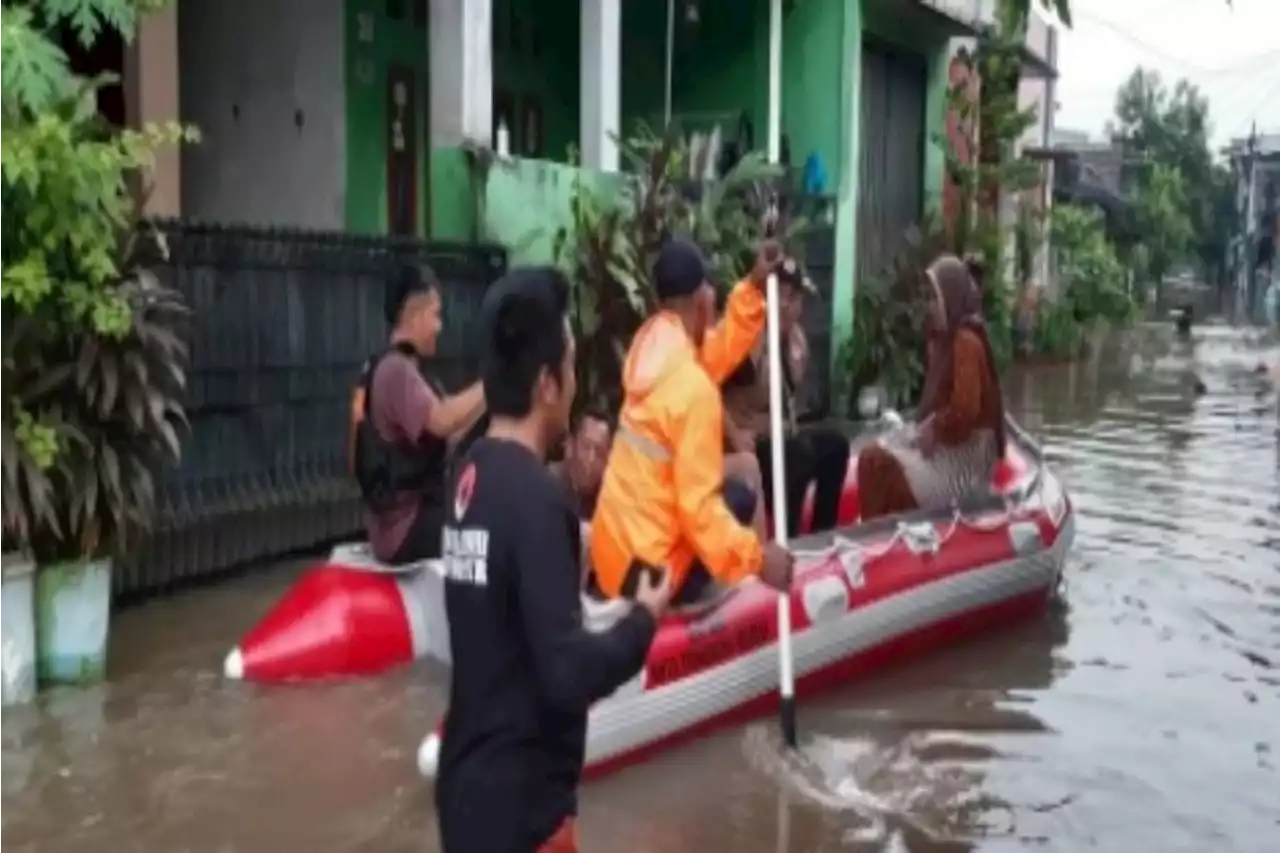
column 28, row 451
column 121, row 395
column 91, row 357
column 17, row 624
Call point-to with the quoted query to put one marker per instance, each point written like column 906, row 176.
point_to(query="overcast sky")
column 1233, row 55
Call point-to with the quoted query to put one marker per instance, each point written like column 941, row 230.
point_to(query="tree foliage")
column 1021, row 9
column 1163, row 221
column 886, row 347
column 71, row 294
column 1092, row 278
column 1164, row 134
column 992, row 126
column 1091, row 281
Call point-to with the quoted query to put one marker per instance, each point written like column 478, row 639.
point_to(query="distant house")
column 1255, row 161
column 1089, row 173
column 1037, row 85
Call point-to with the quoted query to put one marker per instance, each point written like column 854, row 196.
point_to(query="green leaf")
column 35, row 70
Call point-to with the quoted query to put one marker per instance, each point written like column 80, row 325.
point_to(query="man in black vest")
column 403, row 424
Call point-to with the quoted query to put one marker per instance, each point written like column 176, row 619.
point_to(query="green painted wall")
column 813, row 56
column 527, row 202
column 721, row 68
column 534, row 61
column 850, row 111
column 935, row 128
column 714, row 66
column 453, row 206
column 372, row 42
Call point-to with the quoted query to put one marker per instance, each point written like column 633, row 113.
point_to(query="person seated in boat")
column 580, row 471
column 585, row 451
column 525, row 669
column 665, row 501
column 403, row 425
column 816, row 456
column 958, row 436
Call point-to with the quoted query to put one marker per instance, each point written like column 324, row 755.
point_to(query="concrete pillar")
column 601, row 84
column 843, row 289
column 151, row 95
column 461, row 51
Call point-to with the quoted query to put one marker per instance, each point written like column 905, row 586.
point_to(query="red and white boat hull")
column 348, row 616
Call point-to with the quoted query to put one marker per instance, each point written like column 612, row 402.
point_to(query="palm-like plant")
column 115, row 402
column 1021, row 9
column 29, row 450
column 887, row 346
column 128, row 394
column 609, row 247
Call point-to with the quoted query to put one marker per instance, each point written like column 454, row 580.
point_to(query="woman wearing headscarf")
column 959, row 433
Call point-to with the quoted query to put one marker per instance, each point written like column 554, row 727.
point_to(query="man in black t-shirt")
column 525, row 670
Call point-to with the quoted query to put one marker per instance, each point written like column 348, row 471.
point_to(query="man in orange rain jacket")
column 664, row 502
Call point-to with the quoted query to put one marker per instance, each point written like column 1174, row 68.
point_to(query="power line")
column 1221, row 102
column 1138, row 41
column 1162, row 9
column 1267, row 94
column 1245, row 92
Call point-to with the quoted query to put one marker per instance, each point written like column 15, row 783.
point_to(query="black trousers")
column 423, row 541
column 818, row 456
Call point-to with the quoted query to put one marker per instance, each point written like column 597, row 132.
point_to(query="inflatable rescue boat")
column 865, row 595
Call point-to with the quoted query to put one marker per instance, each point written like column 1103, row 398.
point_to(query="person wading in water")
column 525, row 669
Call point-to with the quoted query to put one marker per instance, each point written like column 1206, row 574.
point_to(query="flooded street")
column 1142, row 715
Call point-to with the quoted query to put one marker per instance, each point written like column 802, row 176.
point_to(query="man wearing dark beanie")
column 664, row 502
column 402, row 425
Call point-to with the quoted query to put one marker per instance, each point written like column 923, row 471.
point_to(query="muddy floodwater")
column 1143, row 715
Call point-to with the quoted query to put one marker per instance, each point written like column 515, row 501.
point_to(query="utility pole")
column 1250, row 221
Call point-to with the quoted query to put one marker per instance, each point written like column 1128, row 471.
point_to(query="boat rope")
column 923, row 536
column 918, row 536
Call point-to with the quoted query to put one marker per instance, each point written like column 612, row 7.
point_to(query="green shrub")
column 610, row 244
column 1091, row 277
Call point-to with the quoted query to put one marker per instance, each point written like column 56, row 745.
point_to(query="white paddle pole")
column 671, row 65
column 777, row 435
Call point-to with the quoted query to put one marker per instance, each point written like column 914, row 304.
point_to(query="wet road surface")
column 1142, row 715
